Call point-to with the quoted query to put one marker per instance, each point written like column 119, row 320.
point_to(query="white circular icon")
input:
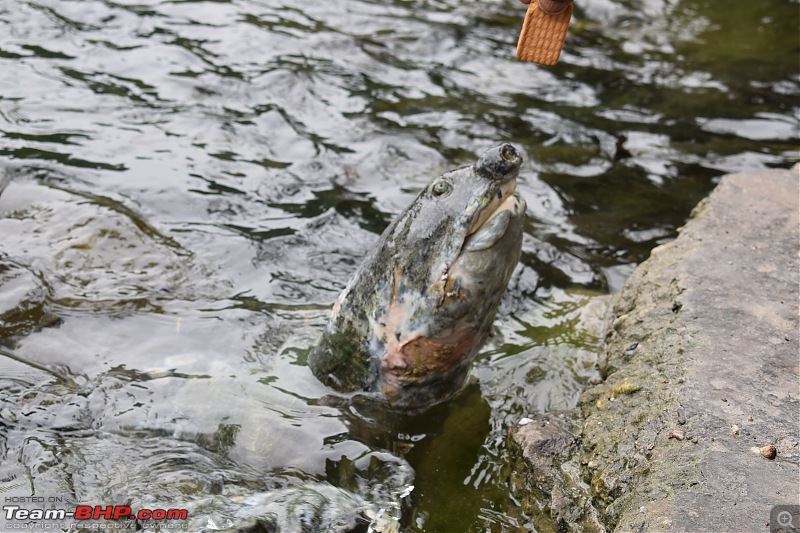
column 785, row 519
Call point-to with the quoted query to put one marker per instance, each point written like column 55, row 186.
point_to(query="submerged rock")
column 545, row 474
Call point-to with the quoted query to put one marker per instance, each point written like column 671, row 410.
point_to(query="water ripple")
column 194, row 181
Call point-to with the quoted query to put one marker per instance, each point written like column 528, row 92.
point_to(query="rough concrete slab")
column 702, row 369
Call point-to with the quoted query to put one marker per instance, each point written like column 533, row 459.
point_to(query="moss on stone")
column 625, row 387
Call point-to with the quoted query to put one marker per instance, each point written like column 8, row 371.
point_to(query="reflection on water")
column 193, row 182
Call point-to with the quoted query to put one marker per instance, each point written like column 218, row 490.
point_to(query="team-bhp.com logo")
column 18, row 517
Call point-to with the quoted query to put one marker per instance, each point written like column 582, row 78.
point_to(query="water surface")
column 192, row 184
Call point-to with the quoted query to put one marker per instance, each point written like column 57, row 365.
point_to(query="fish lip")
column 508, row 213
column 487, row 211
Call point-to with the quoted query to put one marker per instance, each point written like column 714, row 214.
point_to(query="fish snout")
column 500, row 163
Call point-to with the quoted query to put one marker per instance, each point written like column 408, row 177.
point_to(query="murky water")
column 192, row 184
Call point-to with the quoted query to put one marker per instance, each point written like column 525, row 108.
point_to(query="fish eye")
column 441, row 187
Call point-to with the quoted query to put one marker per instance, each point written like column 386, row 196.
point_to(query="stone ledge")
column 701, row 370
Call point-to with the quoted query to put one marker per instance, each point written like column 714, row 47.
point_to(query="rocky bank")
column 695, row 426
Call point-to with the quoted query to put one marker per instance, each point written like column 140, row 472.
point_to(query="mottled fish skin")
column 411, row 320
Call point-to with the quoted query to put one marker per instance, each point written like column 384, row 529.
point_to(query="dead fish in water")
column 416, row 312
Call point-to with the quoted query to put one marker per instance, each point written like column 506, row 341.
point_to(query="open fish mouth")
column 494, row 219
column 487, row 228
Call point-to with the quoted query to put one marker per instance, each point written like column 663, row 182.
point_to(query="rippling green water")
column 192, row 183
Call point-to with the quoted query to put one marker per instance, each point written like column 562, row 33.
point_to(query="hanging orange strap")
column 544, row 31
